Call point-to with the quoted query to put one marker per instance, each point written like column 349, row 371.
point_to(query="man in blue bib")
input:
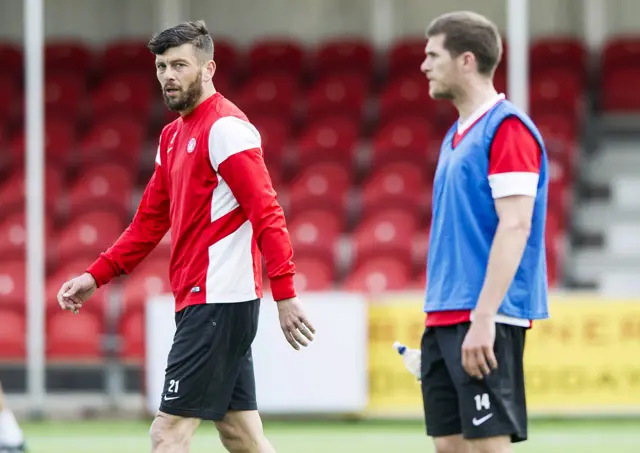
column 486, row 268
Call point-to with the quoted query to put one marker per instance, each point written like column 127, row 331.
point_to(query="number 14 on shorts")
column 482, row 402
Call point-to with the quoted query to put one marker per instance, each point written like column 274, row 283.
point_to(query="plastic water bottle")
column 410, row 357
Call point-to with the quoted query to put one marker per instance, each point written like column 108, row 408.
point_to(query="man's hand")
column 478, row 358
column 75, row 292
column 295, row 326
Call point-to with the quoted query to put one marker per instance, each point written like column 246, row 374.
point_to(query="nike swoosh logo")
column 171, row 398
column 170, row 148
column 480, row 421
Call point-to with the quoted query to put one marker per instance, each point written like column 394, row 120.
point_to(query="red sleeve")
column 514, row 160
column 246, row 175
column 147, row 229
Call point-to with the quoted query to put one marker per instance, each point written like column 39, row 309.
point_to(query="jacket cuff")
column 282, row 287
column 101, row 271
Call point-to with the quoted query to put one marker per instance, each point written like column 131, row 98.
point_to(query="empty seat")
column 408, row 139
column 379, row 275
column 399, row 185
column 323, row 185
column 343, row 93
column 127, row 93
column 405, row 56
column 132, row 334
column 59, row 142
column 12, row 192
column 620, row 52
column 12, row 284
column 127, row 55
column 557, row 90
column 313, row 274
column 107, row 185
column 73, row 337
column 10, row 96
column 386, row 233
column 12, row 59
column 65, row 93
column 117, row 138
column 315, row 233
column 62, row 55
column 330, row 139
column 150, row 278
column 559, row 52
column 226, row 58
column 270, row 93
column 276, row 55
column 13, row 335
column 13, row 235
column 88, row 235
column 407, row 95
column 617, row 97
column 351, row 54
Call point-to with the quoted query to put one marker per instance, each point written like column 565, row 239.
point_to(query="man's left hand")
column 293, row 321
column 478, row 358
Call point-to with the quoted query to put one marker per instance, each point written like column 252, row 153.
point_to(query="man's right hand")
column 75, row 292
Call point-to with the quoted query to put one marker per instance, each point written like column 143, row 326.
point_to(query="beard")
column 444, row 93
column 186, row 98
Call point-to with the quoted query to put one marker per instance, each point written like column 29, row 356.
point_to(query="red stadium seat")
column 59, row 142
column 275, row 134
column 620, row 52
column 9, row 94
column 118, row 138
column 128, row 55
column 331, row 139
column 407, row 95
column 387, row 233
column 315, row 233
column 405, row 56
column 88, row 235
column 150, row 278
column 12, row 284
column 12, row 192
column 61, row 56
column 343, row 92
column 125, row 93
column 107, row 185
column 226, row 57
column 276, row 55
column 617, row 94
column 350, row 54
column 557, row 91
column 405, row 139
column 271, row 93
column 398, row 185
column 12, row 60
column 13, row 335
column 73, row 337
column 559, row 53
column 379, row 275
column 65, row 93
column 313, row 274
column 13, row 235
column 132, row 332
column 320, row 186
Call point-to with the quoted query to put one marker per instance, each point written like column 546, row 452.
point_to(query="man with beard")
column 486, row 270
column 212, row 188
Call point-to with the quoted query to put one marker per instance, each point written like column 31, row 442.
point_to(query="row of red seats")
column 405, row 135
column 280, row 94
column 290, row 55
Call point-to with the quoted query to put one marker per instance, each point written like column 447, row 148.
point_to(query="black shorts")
column 210, row 368
column 456, row 403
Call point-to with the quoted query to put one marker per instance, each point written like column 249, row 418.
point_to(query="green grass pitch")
column 334, row 437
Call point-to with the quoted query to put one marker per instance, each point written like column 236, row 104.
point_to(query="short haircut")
column 466, row 31
column 195, row 33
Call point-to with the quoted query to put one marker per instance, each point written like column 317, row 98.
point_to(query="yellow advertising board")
column 584, row 360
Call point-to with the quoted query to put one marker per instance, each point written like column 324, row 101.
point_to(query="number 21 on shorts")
column 173, row 386
column 482, row 402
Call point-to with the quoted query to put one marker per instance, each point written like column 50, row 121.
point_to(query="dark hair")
column 466, row 31
column 195, row 33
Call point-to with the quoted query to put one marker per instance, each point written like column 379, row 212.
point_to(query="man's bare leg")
column 242, row 432
column 172, row 434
